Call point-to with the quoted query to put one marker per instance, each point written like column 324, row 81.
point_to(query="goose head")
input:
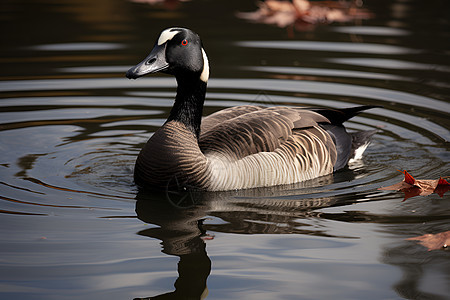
column 179, row 52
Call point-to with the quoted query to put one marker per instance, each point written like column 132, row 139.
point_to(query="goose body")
column 239, row 147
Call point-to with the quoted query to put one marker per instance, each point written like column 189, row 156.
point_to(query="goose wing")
column 226, row 114
column 265, row 147
column 241, row 131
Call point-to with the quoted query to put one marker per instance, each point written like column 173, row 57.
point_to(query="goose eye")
column 184, row 42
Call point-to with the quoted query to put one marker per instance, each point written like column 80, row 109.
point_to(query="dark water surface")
column 74, row 226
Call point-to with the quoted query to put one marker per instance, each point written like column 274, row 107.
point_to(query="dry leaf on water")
column 419, row 187
column 284, row 13
column 433, row 241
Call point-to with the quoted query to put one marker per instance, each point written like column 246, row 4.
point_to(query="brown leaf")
column 301, row 5
column 419, row 187
column 279, row 13
column 433, row 241
column 279, row 6
column 284, row 13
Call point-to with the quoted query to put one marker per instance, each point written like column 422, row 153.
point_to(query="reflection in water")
column 180, row 216
column 181, row 234
column 182, row 219
column 418, row 265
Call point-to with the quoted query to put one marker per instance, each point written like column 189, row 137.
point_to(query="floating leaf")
column 408, row 178
column 419, row 187
column 303, row 13
column 433, row 241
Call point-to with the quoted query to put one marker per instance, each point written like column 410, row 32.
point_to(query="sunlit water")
column 74, row 225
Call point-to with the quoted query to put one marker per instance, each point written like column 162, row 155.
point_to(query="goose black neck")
column 188, row 105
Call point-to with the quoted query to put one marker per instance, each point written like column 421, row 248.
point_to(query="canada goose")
column 239, row 147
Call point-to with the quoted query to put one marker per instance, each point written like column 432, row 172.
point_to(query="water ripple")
column 389, row 64
column 324, row 72
column 78, row 47
column 372, row 30
column 329, row 47
column 254, row 84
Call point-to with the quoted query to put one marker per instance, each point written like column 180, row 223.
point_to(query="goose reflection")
column 182, row 235
column 180, row 216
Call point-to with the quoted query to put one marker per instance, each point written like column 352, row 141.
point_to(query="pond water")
column 74, row 225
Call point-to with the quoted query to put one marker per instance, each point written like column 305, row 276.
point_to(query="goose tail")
column 339, row 116
column 360, row 141
column 349, row 146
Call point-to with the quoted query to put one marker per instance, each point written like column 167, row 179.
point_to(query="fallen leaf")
column 442, row 188
column 433, row 241
column 419, row 187
column 279, row 6
column 303, row 13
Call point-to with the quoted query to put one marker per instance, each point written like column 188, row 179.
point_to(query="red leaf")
column 408, row 178
column 443, row 181
column 441, row 189
column 420, row 187
column 412, row 192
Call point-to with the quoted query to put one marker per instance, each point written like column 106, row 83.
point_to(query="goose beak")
column 154, row 62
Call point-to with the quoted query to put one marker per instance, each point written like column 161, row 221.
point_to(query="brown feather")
column 171, row 156
column 225, row 114
column 247, row 130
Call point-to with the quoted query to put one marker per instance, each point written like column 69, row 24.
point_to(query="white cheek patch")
column 205, row 73
column 166, row 35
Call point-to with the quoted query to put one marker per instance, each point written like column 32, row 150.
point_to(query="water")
column 74, row 226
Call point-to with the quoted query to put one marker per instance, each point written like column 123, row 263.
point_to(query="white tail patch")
column 205, row 73
column 359, row 152
column 167, row 34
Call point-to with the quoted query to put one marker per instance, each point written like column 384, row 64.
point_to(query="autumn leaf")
column 419, row 187
column 284, row 13
column 433, row 241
